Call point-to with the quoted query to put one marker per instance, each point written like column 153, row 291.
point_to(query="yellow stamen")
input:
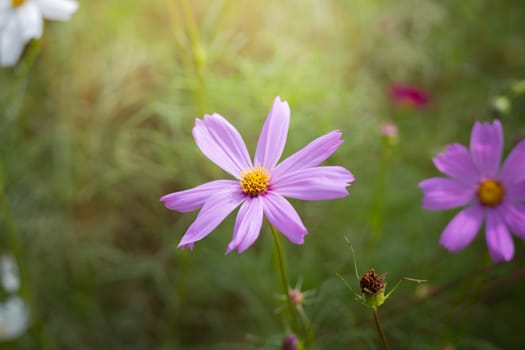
column 255, row 181
column 16, row 3
column 490, row 192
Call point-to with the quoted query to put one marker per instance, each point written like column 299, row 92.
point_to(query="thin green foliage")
column 95, row 126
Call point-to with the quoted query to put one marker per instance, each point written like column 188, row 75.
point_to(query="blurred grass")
column 100, row 129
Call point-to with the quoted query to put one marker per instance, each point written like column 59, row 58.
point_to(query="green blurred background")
column 95, row 126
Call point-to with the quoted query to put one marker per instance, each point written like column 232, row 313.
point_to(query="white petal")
column 14, row 317
column 11, row 43
column 30, row 19
column 5, row 5
column 9, row 273
column 59, row 10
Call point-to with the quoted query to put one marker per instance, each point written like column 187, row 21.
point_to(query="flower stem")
column 198, row 53
column 309, row 336
column 377, row 212
column 190, row 21
column 380, row 330
column 284, row 280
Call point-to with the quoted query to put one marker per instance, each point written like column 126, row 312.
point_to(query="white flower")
column 9, row 273
column 22, row 20
column 14, row 318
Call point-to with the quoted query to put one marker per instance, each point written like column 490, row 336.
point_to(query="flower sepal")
column 374, row 301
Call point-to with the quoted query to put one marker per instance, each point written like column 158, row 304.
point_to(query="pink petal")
column 284, row 218
column 515, row 192
column 189, row 246
column 222, row 144
column 499, row 240
column 59, row 10
column 194, row 198
column 273, row 135
column 442, row 193
column 462, row 229
column 456, row 162
column 407, row 93
column 513, row 169
column 30, row 20
column 486, row 147
column 514, row 215
column 311, row 155
column 319, row 183
column 247, row 225
column 214, row 211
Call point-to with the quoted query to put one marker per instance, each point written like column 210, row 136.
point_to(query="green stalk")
column 10, row 236
column 284, row 280
column 198, row 53
column 380, row 329
column 376, row 218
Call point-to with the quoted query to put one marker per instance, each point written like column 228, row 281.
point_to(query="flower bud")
column 389, row 130
column 500, row 105
column 390, row 133
column 291, row 342
column 296, row 297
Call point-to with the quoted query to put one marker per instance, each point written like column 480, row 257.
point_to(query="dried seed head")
column 372, row 283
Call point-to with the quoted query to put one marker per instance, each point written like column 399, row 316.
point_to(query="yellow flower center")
column 16, row 3
column 254, row 181
column 490, row 192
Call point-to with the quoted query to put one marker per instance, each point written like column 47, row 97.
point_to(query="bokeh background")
column 95, row 126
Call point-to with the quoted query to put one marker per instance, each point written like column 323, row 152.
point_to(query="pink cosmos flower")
column 490, row 194
column 409, row 95
column 259, row 186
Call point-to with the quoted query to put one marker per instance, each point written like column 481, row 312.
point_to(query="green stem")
column 10, row 236
column 198, row 54
column 376, row 218
column 190, row 21
column 284, row 280
column 15, row 96
column 308, row 331
column 380, row 330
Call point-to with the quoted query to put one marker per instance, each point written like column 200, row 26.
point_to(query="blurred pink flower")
column 409, row 95
column 389, row 130
column 491, row 194
column 260, row 187
column 290, row 342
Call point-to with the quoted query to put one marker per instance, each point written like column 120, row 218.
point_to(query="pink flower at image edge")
column 491, row 194
column 260, row 186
